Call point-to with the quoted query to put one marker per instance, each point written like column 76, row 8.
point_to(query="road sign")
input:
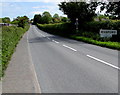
column 107, row 33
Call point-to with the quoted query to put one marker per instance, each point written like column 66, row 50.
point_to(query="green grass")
column 112, row 45
column 10, row 38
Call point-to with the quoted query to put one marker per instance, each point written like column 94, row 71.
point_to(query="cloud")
column 45, row 1
column 36, row 12
column 36, row 7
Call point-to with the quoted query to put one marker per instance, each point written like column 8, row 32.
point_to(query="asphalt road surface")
column 68, row 66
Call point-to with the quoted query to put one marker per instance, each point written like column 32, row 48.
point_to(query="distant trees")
column 47, row 18
column 21, row 21
column 5, row 20
column 56, row 18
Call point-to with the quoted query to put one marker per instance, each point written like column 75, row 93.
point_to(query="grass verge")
column 112, row 45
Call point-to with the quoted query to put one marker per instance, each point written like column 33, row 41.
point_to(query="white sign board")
column 107, row 33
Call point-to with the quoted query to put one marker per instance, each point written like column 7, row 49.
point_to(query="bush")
column 10, row 37
column 95, row 26
column 63, row 29
column 91, row 29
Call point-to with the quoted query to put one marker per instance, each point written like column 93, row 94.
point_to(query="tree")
column 46, row 18
column 37, row 19
column 6, row 20
column 113, row 9
column 81, row 10
column 22, row 21
column 56, row 18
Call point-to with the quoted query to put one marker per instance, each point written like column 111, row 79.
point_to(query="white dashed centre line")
column 86, row 55
column 69, row 48
column 103, row 62
column 55, row 41
column 48, row 38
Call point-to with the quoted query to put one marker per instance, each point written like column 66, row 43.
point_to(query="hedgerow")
column 10, row 37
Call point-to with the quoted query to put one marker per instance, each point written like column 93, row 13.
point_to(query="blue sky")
column 14, row 9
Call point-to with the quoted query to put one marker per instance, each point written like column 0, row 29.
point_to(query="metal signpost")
column 76, row 23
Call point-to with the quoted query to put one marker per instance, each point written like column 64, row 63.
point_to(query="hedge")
column 63, row 29
column 10, row 37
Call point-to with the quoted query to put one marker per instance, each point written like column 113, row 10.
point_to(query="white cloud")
column 36, row 7
column 36, row 12
column 44, row 7
column 46, row 1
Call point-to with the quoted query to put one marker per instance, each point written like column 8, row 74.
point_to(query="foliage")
column 37, row 19
column 102, row 18
column 113, row 9
column 10, row 37
column 64, row 19
column 1, row 20
column 21, row 21
column 81, row 10
column 56, row 18
column 46, row 18
column 5, row 20
column 113, row 45
column 95, row 26
column 63, row 29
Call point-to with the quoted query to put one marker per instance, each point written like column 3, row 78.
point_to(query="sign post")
column 76, row 23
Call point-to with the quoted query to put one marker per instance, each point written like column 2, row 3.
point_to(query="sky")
column 14, row 8
column 29, row 8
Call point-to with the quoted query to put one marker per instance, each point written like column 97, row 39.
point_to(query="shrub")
column 64, row 29
column 10, row 37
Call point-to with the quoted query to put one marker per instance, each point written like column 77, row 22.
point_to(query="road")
column 68, row 66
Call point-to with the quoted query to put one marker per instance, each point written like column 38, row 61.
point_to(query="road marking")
column 48, row 38
column 39, row 32
column 55, row 41
column 103, row 62
column 33, row 68
column 69, row 47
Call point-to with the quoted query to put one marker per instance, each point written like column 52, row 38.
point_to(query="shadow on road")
column 54, row 37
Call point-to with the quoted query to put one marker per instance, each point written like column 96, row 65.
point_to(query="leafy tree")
column 113, row 9
column 6, row 20
column 56, row 18
column 21, row 21
column 82, row 10
column 46, row 17
column 37, row 19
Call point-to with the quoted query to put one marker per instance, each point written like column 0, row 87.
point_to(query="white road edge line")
column 37, row 83
column 103, row 62
column 69, row 48
column 55, row 41
column 38, row 32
